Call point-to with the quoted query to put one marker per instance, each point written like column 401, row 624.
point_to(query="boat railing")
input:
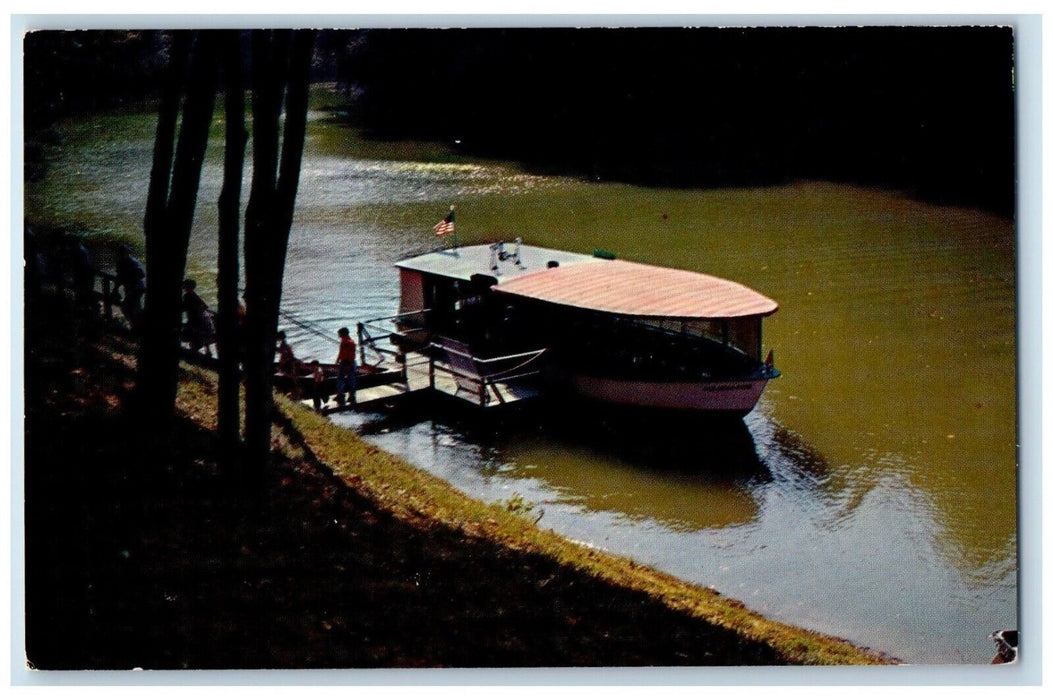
column 391, row 337
column 481, row 377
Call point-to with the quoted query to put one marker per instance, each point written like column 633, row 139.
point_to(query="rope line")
column 309, row 326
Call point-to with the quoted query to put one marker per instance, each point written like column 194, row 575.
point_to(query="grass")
column 417, row 496
column 140, row 552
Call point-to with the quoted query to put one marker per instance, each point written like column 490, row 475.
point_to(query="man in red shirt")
column 345, row 362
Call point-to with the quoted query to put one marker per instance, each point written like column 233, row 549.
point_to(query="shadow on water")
column 671, row 444
column 789, row 458
column 801, row 454
column 679, row 470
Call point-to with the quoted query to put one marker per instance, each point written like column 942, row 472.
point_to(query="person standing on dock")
column 286, row 358
column 317, row 385
column 345, row 363
column 132, row 277
column 288, row 364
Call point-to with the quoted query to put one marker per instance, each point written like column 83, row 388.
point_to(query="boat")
column 508, row 314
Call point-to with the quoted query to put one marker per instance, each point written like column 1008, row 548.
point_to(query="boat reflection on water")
column 789, row 458
column 668, row 442
column 682, row 470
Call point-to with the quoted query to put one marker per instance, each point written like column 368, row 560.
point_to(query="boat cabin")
column 590, row 309
column 605, row 328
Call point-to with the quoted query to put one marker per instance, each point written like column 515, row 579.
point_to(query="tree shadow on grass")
column 144, row 555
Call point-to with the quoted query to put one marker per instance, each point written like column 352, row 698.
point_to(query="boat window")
column 704, row 328
column 744, row 334
column 740, row 334
column 441, row 297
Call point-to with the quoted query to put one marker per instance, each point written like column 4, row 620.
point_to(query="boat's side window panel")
column 666, row 325
column 704, row 328
column 744, row 335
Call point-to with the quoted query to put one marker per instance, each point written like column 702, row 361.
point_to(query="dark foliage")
column 77, row 71
column 925, row 109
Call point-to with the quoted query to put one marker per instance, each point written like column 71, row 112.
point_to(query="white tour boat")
column 607, row 329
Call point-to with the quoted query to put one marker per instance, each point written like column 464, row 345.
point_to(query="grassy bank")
column 416, row 496
column 143, row 553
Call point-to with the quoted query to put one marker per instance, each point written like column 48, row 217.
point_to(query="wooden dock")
column 427, row 374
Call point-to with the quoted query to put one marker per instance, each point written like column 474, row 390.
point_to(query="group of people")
column 316, row 381
column 200, row 332
column 199, row 329
column 65, row 263
column 62, row 262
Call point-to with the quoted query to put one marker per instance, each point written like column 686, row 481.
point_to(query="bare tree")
column 227, row 335
column 280, row 73
column 171, row 201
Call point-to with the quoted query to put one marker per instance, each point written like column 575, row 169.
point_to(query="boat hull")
column 735, row 396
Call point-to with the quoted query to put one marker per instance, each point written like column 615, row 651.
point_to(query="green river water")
column 872, row 494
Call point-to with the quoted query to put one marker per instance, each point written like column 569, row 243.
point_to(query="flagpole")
column 447, row 226
column 455, row 246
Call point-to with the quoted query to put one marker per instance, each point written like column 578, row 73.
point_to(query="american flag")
column 445, row 226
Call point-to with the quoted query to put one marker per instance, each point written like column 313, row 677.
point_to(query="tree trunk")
column 150, row 373
column 229, row 423
column 268, row 218
column 167, row 232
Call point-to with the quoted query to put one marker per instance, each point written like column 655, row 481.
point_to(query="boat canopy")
column 635, row 289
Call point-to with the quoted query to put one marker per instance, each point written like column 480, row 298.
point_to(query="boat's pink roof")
column 634, row 289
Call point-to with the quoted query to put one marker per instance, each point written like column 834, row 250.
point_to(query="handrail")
column 395, row 317
column 366, row 340
column 483, row 363
column 532, row 355
column 481, row 384
column 485, row 360
column 488, row 379
column 373, row 332
column 309, row 326
column 109, row 288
